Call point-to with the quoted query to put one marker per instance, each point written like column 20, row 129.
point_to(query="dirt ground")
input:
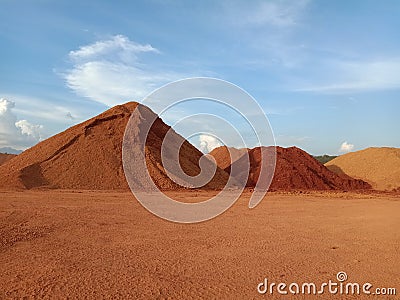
column 76, row 244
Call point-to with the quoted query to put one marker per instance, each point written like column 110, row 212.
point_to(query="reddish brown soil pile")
column 295, row 170
column 4, row 157
column 89, row 156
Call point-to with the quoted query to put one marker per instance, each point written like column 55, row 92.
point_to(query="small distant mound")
column 10, row 150
column 380, row 167
column 323, row 159
column 4, row 157
column 89, row 156
column 295, row 170
column 222, row 155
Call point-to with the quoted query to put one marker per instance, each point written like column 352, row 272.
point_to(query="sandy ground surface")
column 55, row 244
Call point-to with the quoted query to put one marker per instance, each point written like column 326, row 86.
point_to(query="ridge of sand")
column 4, row 157
column 89, row 156
column 295, row 170
column 378, row 166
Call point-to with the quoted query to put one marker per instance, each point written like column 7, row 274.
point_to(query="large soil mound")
column 378, row 166
column 4, row 157
column 89, row 156
column 295, row 170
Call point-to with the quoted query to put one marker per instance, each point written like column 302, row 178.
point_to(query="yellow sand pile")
column 378, row 166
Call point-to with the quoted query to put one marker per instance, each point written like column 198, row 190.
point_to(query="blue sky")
column 327, row 73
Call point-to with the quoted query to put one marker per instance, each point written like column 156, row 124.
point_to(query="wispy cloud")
column 266, row 29
column 45, row 110
column 118, row 45
column 289, row 140
column 271, row 13
column 358, row 76
column 111, row 72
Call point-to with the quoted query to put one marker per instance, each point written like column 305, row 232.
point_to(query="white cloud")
column 17, row 134
column 118, row 45
column 29, row 129
column 208, row 143
column 7, row 118
column 110, row 71
column 46, row 111
column 346, row 147
column 359, row 76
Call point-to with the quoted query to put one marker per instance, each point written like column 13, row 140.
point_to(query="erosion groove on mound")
column 295, row 170
column 32, row 176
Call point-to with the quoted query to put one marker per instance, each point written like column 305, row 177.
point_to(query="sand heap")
column 222, row 156
column 295, row 170
column 89, row 156
column 4, row 157
column 378, row 166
